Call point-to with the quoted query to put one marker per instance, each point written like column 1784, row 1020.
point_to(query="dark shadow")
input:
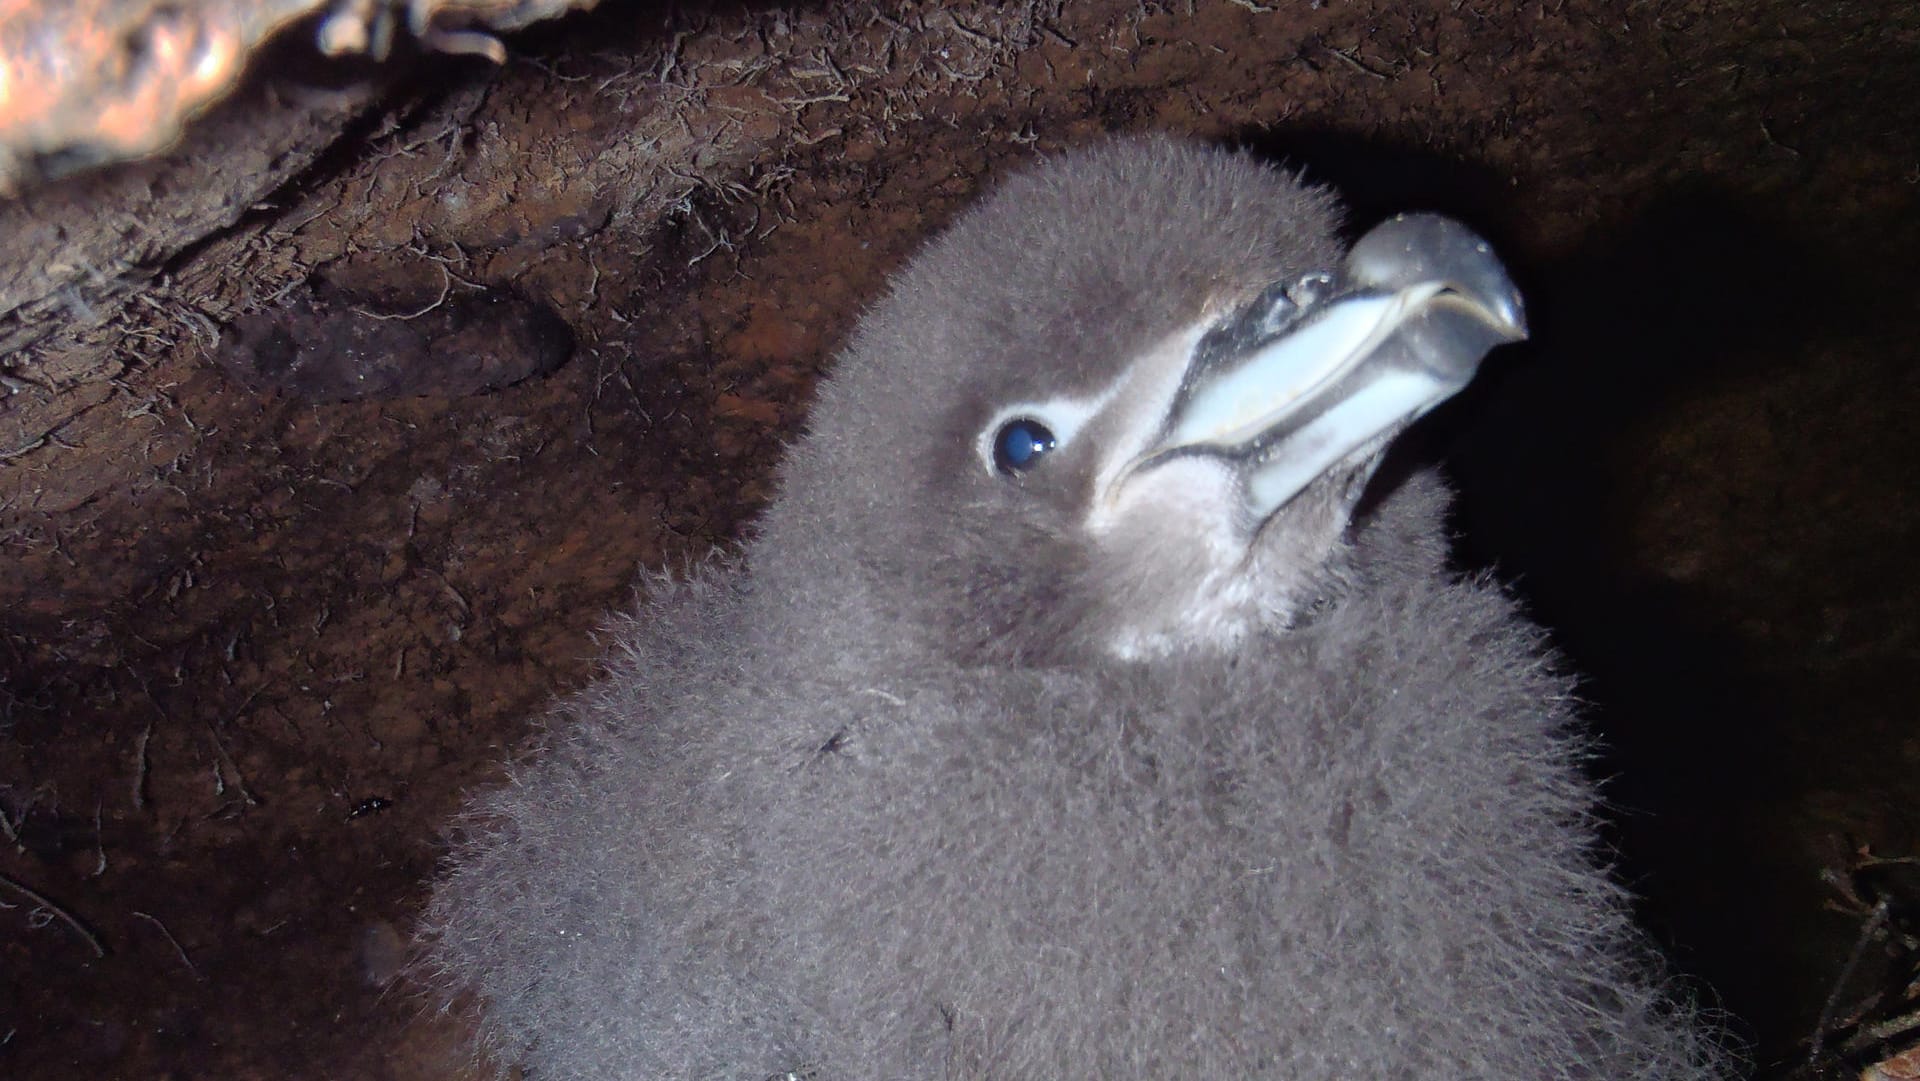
column 1698, row 730
column 1376, row 180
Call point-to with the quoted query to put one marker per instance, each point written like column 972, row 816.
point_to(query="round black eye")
column 1019, row 444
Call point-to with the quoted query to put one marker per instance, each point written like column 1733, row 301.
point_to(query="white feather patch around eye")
column 1064, row 417
column 1149, row 382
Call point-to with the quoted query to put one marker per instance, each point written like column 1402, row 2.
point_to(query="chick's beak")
column 1319, row 372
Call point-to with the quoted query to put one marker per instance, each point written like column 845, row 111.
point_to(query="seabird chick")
column 1061, row 720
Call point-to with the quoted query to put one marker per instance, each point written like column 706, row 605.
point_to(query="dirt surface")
column 255, row 647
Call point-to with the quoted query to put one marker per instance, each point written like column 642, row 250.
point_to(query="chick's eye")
column 1018, row 445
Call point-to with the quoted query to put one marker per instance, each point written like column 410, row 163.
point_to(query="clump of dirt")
column 257, row 642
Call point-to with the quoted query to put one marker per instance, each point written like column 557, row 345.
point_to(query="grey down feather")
column 869, row 802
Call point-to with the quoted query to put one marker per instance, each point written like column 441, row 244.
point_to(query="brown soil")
column 255, row 647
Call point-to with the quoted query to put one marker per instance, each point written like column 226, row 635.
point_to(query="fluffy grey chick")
column 1058, row 722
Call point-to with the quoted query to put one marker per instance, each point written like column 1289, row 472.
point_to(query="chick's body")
column 902, row 796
